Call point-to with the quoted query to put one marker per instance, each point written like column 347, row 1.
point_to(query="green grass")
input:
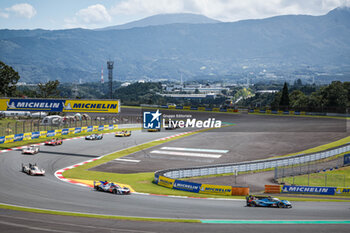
column 39, row 140
column 64, row 213
column 335, row 178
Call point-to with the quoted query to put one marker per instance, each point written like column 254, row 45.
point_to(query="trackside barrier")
column 255, row 165
column 297, row 113
column 295, row 189
column 59, row 132
column 200, row 188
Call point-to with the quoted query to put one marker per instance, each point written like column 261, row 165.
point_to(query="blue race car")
column 267, row 201
column 94, row 137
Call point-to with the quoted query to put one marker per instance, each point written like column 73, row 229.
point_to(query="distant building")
column 190, row 96
column 125, row 84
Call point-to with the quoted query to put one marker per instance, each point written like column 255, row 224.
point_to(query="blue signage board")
column 101, row 127
column 35, row 135
column 346, row 159
column 111, row 127
column 77, row 130
column 35, row 104
column 179, row 107
column 50, row 133
column 2, row 139
column 65, row 131
column 18, row 137
column 186, row 186
column 308, row 190
column 223, row 110
column 90, row 128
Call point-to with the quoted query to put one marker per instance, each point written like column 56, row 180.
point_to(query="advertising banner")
column 308, row 190
column 60, row 105
column 77, row 130
column 43, row 134
column 215, row 189
column 51, row 133
column 90, row 128
column 71, row 131
column 166, row 182
column 84, row 129
column 342, row 191
column 18, row 137
column 106, row 127
column 216, row 109
column 9, row 138
column 58, row 132
column 187, row 107
column 186, row 186
column 65, row 131
column 95, row 128
column 201, row 108
column 27, row 136
column 111, row 127
column 346, row 159
column 115, row 126
column 2, row 139
column 35, row 135
column 101, row 127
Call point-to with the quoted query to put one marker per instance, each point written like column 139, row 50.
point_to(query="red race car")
column 54, row 142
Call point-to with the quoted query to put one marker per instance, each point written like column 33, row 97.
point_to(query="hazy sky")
column 62, row 14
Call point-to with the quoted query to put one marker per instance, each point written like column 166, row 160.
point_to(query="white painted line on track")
column 195, row 149
column 128, row 160
column 185, row 154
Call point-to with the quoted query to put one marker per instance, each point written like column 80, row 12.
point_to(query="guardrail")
column 250, row 165
column 303, row 113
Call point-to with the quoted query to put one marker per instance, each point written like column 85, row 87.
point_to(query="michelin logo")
column 152, row 120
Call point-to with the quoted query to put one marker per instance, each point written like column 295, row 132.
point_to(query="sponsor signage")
column 77, row 130
column 215, row 189
column 166, row 182
column 308, row 190
column 2, row 140
column 65, row 131
column 43, row 134
column 346, row 159
column 27, row 136
column 342, row 191
column 18, row 137
column 90, row 128
column 35, row 135
column 95, row 128
column 58, row 132
column 71, row 130
column 60, row 105
column 101, row 127
column 9, row 138
column 186, row 186
column 51, row 133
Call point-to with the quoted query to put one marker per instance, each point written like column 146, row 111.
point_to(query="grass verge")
column 286, row 115
column 86, row 215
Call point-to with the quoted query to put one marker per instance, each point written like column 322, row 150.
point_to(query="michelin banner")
column 60, row 105
column 308, row 190
column 186, row 186
column 216, row 189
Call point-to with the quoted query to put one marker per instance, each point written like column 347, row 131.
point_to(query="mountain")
column 164, row 19
column 281, row 44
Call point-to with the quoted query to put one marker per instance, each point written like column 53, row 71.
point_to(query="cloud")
column 90, row 16
column 227, row 10
column 23, row 10
column 4, row 15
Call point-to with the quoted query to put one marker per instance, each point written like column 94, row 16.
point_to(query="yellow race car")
column 153, row 130
column 123, row 134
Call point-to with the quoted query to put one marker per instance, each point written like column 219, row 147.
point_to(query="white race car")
column 33, row 170
column 33, row 149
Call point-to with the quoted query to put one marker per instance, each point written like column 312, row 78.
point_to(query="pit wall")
column 53, row 133
column 313, row 190
column 200, row 188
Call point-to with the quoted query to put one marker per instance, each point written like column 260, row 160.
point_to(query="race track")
column 50, row 193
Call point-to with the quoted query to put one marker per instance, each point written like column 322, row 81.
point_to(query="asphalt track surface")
column 50, row 193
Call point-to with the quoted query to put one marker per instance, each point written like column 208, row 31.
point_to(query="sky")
column 90, row 14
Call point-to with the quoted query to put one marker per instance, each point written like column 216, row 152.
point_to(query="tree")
column 49, row 89
column 284, row 102
column 335, row 96
column 8, row 80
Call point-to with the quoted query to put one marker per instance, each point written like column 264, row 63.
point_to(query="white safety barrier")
column 251, row 165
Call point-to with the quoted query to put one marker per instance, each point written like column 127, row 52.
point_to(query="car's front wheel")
column 281, row 205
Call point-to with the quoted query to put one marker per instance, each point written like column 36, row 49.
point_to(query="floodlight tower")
column 110, row 77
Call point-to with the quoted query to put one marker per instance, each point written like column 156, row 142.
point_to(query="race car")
column 267, row 201
column 110, row 187
column 153, row 130
column 123, row 134
column 33, row 170
column 94, row 137
column 33, row 149
column 54, row 142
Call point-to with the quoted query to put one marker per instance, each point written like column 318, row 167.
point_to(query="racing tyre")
column 115, row 191
column 281, row 205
